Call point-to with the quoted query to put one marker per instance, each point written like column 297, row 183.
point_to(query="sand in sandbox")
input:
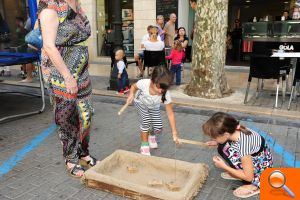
column 113, row 170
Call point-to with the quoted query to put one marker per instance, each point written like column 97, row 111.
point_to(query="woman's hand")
column 219, row 162
column 71, row 84
column 211, row 143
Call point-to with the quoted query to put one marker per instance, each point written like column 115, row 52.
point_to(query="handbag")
column 34, row 38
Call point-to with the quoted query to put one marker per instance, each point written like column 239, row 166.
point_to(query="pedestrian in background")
column 170, row 30
column 160, row 26
column 176, row 57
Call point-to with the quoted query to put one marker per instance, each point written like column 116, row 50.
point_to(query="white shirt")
column 147, row 37
column 121, row 66
column 143, row 95
column 154, row 46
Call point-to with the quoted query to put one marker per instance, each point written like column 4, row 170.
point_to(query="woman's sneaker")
column 145, row 150
column 152, row 142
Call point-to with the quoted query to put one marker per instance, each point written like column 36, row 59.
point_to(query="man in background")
column 170, row 30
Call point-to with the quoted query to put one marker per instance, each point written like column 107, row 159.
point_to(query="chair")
column 154, row 59
column 266, row 67
column 295, row 82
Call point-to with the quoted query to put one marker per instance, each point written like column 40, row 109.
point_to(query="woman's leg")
column 85, row 112
column 29, row 69
column 66, row 117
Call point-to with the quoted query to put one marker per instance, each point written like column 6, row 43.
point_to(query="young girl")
column 177, row 55
column 147, row 94
column 120, row 69
column 244, row 150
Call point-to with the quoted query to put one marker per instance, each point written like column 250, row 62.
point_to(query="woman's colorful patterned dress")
column 72, row 111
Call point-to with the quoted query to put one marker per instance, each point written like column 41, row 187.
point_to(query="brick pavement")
column 42, row 175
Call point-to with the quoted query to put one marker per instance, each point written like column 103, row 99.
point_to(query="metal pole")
column 118, row 43
column 32, row 4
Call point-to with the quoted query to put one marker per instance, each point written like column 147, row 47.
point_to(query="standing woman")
column 64, row 61
column 182, row 38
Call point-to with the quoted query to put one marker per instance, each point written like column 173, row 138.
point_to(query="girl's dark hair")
column 220, row 123
column 164, row 77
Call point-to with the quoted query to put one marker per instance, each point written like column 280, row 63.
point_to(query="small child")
column 245, row 151
column 177, row 55
column 147, row 95
column 122, row 73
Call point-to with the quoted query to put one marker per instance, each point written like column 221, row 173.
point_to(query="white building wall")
column 183, row 14
column 89, row 6
column 144, row 15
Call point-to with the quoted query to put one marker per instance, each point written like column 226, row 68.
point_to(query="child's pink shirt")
column 176, row 57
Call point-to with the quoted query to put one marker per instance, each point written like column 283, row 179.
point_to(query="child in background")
column 176, row 57
column 147, row 95
column 122, row 73
column 245, row 151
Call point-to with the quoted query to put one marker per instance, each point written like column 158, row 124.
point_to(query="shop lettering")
column 286, row 47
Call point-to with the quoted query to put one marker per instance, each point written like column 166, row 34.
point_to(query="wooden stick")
column 202, row 144
column 123, row 108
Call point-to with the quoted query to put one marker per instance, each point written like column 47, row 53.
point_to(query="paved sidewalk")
column 237, row 77
column 41, row 173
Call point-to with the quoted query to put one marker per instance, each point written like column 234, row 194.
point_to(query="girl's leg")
column 120, row 84
column 229, row 154
column 173, row 70
column 144, row 137
column 145, row 122
column 157, row 126
column 178, row 75
column 246, row 191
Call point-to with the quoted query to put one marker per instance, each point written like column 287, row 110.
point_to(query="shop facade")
column 136, row 16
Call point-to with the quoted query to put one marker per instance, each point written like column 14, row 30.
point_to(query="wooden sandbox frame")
column 112, row 175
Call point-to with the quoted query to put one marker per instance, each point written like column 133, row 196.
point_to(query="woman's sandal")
column 227, row 176
column 247, row 194
column 73, row 171
column 90, row 163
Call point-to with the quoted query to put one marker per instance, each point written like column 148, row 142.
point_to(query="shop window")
column 105, row 19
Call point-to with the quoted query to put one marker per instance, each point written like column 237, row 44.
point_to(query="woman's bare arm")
column 49, row 26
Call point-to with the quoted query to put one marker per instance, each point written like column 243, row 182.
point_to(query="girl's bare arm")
column 172, row 121
column 247, row 172
column 132, row 92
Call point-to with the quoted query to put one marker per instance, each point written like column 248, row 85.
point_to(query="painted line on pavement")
column 10, row 163
column 288, row 157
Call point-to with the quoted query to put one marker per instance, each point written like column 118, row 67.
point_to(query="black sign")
column 166, row 7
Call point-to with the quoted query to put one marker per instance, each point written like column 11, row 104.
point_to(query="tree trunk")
column 208, row 78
